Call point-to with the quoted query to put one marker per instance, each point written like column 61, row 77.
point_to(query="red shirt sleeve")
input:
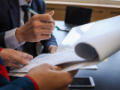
column 1, row 49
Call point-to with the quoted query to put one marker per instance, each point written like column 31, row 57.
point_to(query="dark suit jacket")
column 10, row 18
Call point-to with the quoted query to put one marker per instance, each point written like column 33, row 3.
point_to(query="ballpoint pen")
column 35, row 13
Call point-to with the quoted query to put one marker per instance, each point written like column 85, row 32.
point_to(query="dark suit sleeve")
column 47, row 43
column 2, row 43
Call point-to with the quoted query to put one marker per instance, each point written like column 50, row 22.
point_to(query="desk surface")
column 107, row 77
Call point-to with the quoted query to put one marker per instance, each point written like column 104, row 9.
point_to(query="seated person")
column 42, row 77
column 15, row 34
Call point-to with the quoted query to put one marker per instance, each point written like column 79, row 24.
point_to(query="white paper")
column 83, row 65
column 103, row 37
column 96, row 40
column 67, row 56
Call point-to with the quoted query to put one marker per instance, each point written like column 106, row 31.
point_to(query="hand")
column 51, row 13
column 10, row 57
column 52, row 49
column 38, row 28
column 50, row 77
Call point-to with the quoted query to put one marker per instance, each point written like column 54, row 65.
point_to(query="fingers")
column 60, row 66
column 66, row 77
column 51, row 67
column 42, row 37
column 20, row 60
column 52, row 49
column 25, row 56
column 50, row 13
column 11, row 64
column 43, row 18
column 45, row 74
column 42, row 31
column 42, row 25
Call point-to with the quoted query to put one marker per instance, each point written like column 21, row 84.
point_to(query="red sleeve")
column 1, row 49
column 35, row 84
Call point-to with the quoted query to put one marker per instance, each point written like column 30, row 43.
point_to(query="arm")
column 26, row 83
column 9, row 40
column 38, row 78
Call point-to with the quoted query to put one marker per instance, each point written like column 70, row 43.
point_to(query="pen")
column 35, row 13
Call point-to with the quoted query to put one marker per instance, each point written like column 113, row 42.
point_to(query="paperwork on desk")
column 84, row 46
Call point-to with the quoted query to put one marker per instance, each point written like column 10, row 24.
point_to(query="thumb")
column 25, row 55
column 50, row 13
column 52, row 49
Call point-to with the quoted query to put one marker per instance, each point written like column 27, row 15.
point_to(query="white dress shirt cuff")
column 11, row 40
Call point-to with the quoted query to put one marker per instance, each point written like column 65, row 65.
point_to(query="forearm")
column 25, row 83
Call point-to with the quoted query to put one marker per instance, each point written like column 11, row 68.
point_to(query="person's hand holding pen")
column 36, row 29
column 35, row 13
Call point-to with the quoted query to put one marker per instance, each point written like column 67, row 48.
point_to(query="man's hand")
column 38, row 28
column 52, row 49
column 50, row 77
column 10, row 57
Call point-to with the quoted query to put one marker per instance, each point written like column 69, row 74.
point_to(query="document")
column 84, row 45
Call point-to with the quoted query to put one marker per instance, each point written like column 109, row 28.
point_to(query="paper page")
column 72, row 67
column 103, row 37
column 67, row 56
column 96, row 39
column 74, row 36
column 92, row 67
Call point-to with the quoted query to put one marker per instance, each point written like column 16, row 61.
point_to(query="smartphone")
column 82, row 83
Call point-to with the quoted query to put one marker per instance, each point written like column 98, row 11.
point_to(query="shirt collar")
column 23, row 2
